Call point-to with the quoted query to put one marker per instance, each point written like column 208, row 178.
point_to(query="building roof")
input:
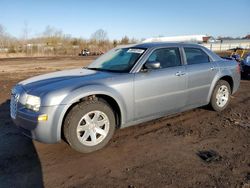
column 236, row 41
column 184, row 38
column 163, row 44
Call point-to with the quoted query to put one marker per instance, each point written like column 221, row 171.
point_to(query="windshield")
column 117, row 60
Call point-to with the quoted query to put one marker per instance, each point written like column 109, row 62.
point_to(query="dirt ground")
column 160, row 153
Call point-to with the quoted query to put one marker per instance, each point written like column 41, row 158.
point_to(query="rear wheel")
column 221, row 95
column 89, row 126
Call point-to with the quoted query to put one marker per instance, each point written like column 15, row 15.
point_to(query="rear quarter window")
column 196, row 56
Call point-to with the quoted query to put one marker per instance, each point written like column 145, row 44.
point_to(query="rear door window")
column 196, row 56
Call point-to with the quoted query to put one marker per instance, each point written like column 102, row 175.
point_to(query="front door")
column 163, row 90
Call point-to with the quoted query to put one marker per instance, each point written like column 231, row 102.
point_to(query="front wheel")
column 221, row 95
column 89, row 126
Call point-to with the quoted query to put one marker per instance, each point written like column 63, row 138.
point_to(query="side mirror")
column 152, row 65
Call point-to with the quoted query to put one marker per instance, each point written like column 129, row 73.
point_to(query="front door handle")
column 179, row 73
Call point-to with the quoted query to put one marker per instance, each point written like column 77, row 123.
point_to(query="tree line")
column 53, row 41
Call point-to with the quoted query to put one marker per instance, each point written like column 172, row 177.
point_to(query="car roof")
column 153, row 45
column 164, row 44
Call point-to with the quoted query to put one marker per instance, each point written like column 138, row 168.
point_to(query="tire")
column 220, row 99
column 89, row 126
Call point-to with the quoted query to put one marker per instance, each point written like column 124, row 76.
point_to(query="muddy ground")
column 160, row 153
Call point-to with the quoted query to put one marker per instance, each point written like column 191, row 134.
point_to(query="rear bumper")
column 43, row 131
column 236, row 83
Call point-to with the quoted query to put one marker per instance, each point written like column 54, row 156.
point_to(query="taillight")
column 238, row 68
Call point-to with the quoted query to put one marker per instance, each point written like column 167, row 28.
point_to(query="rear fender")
column 220, row 74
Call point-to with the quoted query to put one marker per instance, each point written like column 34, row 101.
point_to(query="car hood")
column 62, row 79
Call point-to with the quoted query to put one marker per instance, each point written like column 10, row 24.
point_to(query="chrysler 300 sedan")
column 126, row 86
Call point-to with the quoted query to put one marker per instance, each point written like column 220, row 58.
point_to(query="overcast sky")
column 134, row 18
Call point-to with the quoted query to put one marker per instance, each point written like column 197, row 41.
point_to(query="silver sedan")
column 126, row 86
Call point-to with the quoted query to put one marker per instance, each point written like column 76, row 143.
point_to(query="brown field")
column 160, row 153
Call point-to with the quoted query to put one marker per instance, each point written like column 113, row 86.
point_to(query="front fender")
column 82, row 92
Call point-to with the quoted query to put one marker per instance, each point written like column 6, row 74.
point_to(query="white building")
column 185, row 38
column 205, row 40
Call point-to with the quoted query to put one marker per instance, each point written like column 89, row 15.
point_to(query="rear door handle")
column 179, row 73
column 212, row 68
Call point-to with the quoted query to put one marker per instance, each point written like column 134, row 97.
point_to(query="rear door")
column 200, row 71
column 162, row 90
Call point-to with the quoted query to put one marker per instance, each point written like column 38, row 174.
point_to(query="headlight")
column 33, row 103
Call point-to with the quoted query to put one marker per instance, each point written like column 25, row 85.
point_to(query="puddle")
column 248, row 177
column 209, row 155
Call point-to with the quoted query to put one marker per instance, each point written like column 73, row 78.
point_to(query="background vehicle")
column 236, row 54
column 245, row 66
column 84, row 52
column 124, row 87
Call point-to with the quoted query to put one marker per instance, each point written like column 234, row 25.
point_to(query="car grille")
column 13, row 103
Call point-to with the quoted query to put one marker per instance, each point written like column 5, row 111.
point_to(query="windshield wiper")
column 106, row 70
column 100, row 69
column 90, row 68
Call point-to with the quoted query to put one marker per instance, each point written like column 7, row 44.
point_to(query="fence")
column 226, row 46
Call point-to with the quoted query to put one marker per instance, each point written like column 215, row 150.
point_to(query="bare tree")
column 26, row 31
column 2, row 36
column 247, row 37
column 115, row 43
column 53, row 36
column 99, row 41
column 5, row 39
column 134, row 41
column 25, row 37
column 100, row 35
column 52, row 32
column 2, row 30
column 125, row 40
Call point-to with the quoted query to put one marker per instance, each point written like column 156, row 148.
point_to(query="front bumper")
column 48, row 131
column 43, row 131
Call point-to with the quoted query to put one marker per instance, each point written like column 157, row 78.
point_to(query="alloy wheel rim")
column 222, row 96
column 93, row 128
